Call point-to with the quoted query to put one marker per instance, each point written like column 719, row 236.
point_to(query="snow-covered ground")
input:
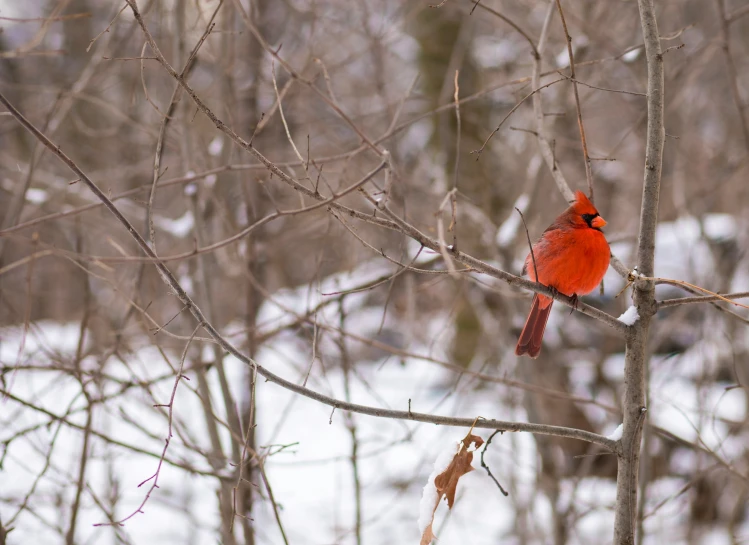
column 311, row 476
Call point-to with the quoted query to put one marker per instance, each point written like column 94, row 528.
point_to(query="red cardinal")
column 572, row 256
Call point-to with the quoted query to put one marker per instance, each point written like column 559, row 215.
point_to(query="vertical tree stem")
column 644, row 292
column 351, row 425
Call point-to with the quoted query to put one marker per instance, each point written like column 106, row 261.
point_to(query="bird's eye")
column 589, row 218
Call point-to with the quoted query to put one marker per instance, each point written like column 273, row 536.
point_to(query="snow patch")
column 36, row 196
column 492, row 53
column 215, row 147
column 630, row 316
column 617, row 434
column 563, row 59
column 180, row 227
column 429, row 495
column 507, row 231
column 631, row 56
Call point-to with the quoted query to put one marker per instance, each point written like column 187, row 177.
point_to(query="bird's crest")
column 583, row 205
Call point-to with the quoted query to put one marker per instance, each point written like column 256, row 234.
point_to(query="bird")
column 571, row 257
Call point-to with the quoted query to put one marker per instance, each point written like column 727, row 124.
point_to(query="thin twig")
column 454, row 193
column 543, row 143
column 708, row 298
column 725, row 36
column 185, row 299
column 444, row 250
column 523, row 33
column 170, row 419
column 350, row 422
column 283, row 117
column 738, row 14
column 165, row 121
column 269, row 490
column 293, row 73
column 573, row 80
column 83, row 462
column 246, row 445
column 512, row 111
column 583, row 141
column 93, row 41
column 701, row 299
column 530, row 244
column 486, row 467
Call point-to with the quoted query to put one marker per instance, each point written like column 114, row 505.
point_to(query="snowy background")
column 311, row 297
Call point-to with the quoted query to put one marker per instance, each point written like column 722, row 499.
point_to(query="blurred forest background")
column 91, row 337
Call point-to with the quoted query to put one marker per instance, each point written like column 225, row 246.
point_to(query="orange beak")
column 598, row 222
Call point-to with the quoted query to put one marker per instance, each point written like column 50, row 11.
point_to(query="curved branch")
column 546, row 152
column 509, row 21
column 581, row 126
column 172, row 282
column 136, row 448
column 394, row 221
column 701, row 299
column 543, row 144
column 725, row 37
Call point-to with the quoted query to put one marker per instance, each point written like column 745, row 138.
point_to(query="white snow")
column 630, row 316
column 613, row 367
column 179, row 227
column 36, row 196
column 631, row 56
column 429, row 494
column 682, row 252
column 617, row 433
column 509, row 228
column 492, row 53
column 417, row 136
column 319, row 460
column 184, row 509
column 719, row 226
column 562, row 58
column 681, row 247
column 215, row 147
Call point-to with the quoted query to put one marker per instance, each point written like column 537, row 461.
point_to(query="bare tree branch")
column 169, row 278
column 408, row 229
column 635, row 365
column 583, row 140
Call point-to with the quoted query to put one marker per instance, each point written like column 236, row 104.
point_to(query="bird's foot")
column 575, row 301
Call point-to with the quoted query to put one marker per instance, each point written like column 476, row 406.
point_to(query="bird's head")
column 584, row 214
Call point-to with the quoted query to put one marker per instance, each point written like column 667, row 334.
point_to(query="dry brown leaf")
column 428, row 535
column 447, row 481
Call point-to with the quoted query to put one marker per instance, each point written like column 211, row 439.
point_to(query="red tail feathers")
column 533, row 331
